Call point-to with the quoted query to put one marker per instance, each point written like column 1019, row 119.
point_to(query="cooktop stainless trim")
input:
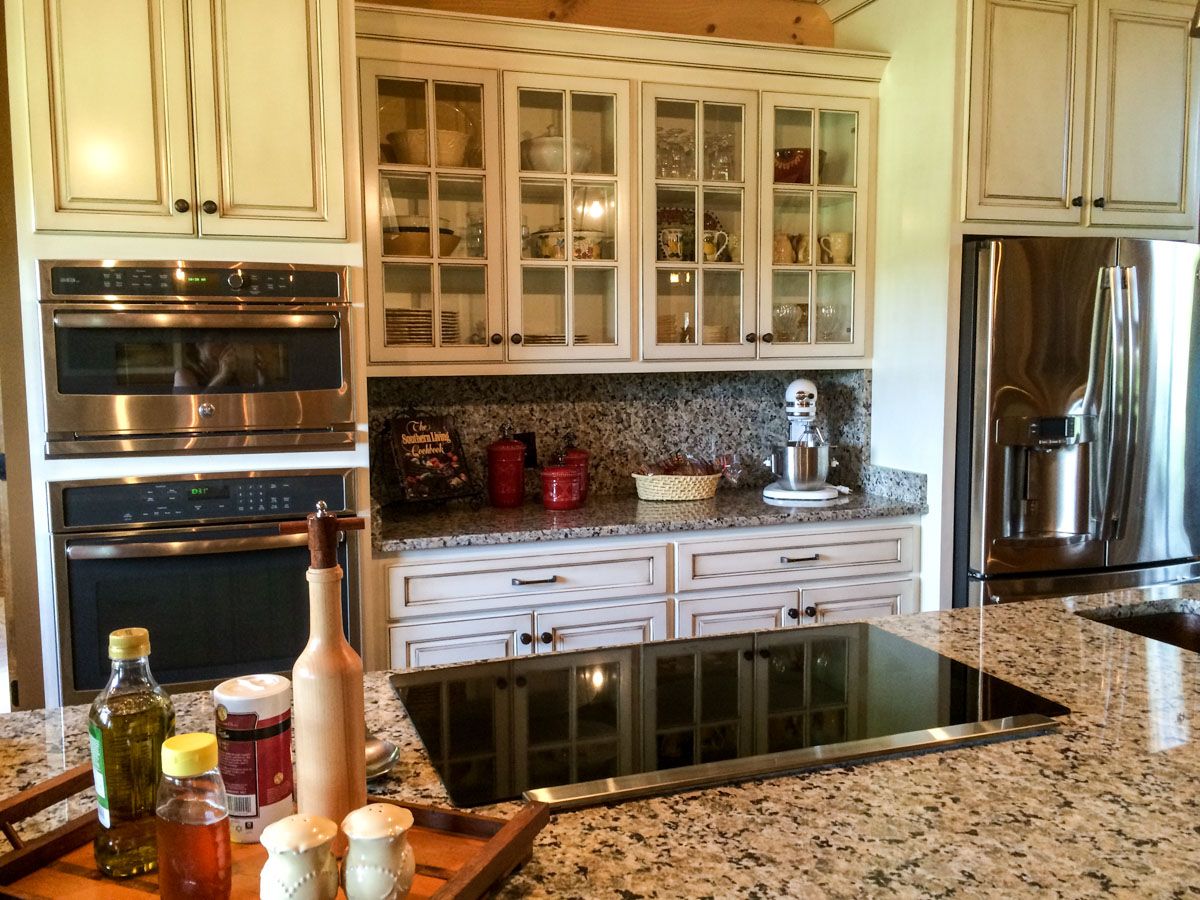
column 648, row 784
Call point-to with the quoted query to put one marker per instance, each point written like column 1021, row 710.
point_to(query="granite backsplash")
column 624, row 419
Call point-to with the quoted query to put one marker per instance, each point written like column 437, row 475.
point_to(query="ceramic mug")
column 715, row 243
column 670, row 243
column 781, row 250
column 836, row 245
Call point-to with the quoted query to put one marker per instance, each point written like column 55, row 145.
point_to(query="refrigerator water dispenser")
column 1047, row 469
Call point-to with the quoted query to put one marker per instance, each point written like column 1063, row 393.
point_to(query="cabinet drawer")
column 498, row 583
column 776, row 560
column 852, row 603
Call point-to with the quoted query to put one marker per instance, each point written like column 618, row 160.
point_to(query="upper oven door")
column 149, row 368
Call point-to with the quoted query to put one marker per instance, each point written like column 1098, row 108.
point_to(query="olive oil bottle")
column 127, row 724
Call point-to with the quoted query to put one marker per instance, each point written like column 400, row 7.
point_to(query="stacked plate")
column 450, row 332
column 408, row 326
column 546, row 339
column 415, row 326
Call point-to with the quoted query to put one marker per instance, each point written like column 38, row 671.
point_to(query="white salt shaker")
column 301, row 865
column 379, row 863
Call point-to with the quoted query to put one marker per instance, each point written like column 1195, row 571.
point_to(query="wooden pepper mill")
column 327, row 686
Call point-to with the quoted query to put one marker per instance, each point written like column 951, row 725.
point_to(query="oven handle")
column 324, row 321
column 185, row 548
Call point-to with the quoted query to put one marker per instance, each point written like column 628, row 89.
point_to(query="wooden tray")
column 460, row 855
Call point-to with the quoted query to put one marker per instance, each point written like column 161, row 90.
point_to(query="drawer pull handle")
column 799, row 559
column 522, row 582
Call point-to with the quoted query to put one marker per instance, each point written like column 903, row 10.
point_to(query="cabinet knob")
column 209, row 207
column 516, row 338
column 182, row 205
column 501, row 683
column 810, row 611
column 547, row 637
column 768, row 337
column 1077, row 201
column 793, row 613
column 764, row 653
column 526, row 638
column 521, row 682
column 1098, row 203
column 747, row 655
column 497, row 338
column 750, row 338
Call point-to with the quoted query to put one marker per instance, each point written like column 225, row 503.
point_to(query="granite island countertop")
column 1105, row 804
column 397, row 529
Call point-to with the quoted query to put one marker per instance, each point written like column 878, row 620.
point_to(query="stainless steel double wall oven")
column 162, row 357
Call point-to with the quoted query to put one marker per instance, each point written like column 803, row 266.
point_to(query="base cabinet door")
column 851, row 603
column 602, row 626
column 472, row 640
column 730, row 613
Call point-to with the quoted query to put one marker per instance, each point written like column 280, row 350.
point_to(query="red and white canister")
column 254, row 751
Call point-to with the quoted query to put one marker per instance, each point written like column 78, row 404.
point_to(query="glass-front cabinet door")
column 814, row 245
column 567, row 219
column 699, row 208
column 432, row 194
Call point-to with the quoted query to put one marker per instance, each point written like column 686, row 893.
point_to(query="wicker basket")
column 676, row 487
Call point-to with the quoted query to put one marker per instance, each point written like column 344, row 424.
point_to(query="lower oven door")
column 218, row 602
column 165, row 372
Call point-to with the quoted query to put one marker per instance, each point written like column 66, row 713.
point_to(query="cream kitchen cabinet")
column 1082, row 112
column 167, row 117
column 757, row 225
column 624, row 201
column 418, row 644
column 824, row 604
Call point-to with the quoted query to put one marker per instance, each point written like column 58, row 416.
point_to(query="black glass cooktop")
column 600, row 725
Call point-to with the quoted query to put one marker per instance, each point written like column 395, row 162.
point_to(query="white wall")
column 916, row 249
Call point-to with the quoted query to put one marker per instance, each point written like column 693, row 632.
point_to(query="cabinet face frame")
column 371, row 72
column 862, row 191
column 58, row 203
column 1118, row 144
column 983, row 202
column 651, row 265
column 512, row 84
column 316, row 209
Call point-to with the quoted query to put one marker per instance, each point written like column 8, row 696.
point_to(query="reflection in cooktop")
column 664, row 716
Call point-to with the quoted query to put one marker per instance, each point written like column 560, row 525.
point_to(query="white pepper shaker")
column 380, row 863
column 301, row 865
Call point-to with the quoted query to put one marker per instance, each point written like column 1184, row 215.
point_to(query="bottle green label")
column 98, row 774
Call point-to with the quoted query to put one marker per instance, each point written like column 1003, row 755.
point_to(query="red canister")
column 578, row 459
column 562, row 487
column 506, row 471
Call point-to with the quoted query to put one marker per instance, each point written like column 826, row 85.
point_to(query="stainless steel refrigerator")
column 1078, row 452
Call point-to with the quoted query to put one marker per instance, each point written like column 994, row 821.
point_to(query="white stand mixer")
column 801, row 466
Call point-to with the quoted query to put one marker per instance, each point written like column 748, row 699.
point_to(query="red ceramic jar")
column 506, row 472
column 578, row 459
column 562, row 487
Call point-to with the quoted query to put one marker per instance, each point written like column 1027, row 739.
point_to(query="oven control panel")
column 199, row 498
column 71, row 279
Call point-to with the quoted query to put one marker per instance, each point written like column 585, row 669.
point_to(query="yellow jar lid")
column 189, row 754
column 128, row 643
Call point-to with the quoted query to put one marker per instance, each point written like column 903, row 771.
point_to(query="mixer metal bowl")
column 799, row 467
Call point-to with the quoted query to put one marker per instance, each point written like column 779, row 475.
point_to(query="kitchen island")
column 1107, row 803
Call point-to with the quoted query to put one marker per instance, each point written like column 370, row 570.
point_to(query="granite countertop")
column 458, row 525
column 1106, row 804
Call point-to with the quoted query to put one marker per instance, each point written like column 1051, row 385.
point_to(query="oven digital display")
column 208, row 492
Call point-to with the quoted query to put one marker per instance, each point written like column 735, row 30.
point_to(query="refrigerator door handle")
column 1123, row 284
